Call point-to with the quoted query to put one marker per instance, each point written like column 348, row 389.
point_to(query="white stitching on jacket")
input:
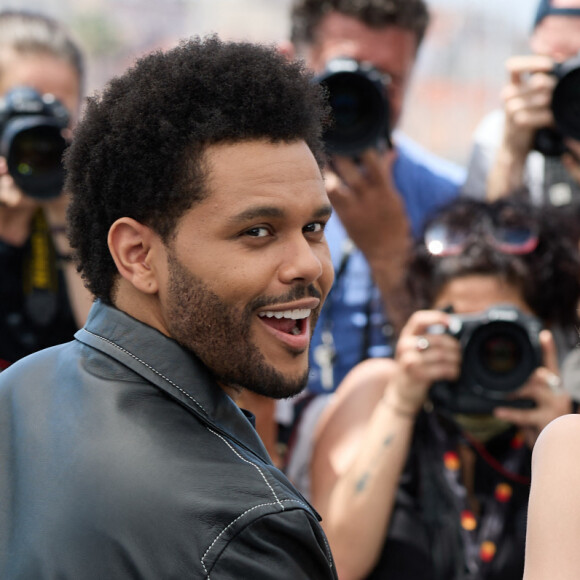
column 277, row 502
column 247, row 461
column 241, row 516
column 146, row 365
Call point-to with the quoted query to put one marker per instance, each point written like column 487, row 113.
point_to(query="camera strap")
column 40, row 274
column 325, row 353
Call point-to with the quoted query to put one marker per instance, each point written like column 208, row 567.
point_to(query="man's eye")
column 315, row 227
column 260, row 232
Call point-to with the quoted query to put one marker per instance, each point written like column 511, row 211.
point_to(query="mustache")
column 295, row 293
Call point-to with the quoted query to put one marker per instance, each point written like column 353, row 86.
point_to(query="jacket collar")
column 167, row 365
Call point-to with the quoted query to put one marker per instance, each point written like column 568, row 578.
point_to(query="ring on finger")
column 422, row 344
column 554, row 382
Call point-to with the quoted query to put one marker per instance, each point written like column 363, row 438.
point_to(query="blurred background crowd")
column 419, row 243
column 457, row 79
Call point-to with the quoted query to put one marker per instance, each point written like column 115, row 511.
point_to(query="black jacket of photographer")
column 122, row 458
column 428, row 538
column 32, row 318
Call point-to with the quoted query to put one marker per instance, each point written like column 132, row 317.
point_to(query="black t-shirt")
column 34, row 307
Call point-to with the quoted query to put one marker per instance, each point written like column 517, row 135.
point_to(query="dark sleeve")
column 288, row 545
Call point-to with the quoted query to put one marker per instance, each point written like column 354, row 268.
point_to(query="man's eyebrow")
column 261, row 212
column 323, row 212
column 254, row 213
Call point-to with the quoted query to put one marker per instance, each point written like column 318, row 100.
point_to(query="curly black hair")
column 549, row 276
column 306, row 16
column 138, row 152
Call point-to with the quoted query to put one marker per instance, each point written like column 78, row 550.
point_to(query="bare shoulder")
column 357, row 395
column 559, row 439
column 554, row 508
column 556, row 455
column 343, row 422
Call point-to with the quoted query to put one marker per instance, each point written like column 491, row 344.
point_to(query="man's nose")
column 300, row 263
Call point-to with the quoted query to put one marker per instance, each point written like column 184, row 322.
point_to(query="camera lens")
column 500, row 354
column 358, row 113
column 37, row 152
column 33, row 149
column 500, row 357
column 359, row 107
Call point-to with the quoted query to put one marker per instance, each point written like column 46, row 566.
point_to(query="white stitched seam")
column 146, row 365
column 218, row 435
column 277, row 502
column 328, row 551
column 250, row 463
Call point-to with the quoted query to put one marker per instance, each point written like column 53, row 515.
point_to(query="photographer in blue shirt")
column 381, row 194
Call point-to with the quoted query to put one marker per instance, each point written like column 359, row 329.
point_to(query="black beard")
column 218, row 334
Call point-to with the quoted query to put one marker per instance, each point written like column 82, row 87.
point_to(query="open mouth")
column 288, row 321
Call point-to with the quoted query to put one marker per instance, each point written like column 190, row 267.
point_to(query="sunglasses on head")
column 507, row 234
column 545, row 8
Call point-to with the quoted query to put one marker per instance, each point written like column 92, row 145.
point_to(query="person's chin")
column 291, row 365
column 292, row 379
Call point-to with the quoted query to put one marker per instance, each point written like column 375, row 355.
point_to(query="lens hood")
column 360, row 109
column 32, row 142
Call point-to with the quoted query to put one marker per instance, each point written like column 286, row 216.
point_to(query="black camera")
column 360, row 108
column 32, row 141
column 565, row 108
column 500, row 350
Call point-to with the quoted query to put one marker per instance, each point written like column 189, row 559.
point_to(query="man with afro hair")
column 197, row 219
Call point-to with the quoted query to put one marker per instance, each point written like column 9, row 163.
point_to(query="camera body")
column 32, row 142
column 565, row 107
column 500, row 350
column 360, row 107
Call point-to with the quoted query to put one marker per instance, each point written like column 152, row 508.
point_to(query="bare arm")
column 554, row 510
column 364, row 438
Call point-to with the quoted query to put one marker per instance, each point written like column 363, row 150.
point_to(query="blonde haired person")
column 42, row 298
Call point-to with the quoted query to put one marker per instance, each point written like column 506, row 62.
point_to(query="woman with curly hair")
column 421, row 463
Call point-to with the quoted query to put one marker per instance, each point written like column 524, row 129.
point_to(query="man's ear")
column 134, row 248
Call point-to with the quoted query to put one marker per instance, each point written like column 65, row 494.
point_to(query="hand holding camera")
column 371, row 209
column 544, row 388
column 527, row 98
column 423, row 358
column 498, row 362
column 541, row 105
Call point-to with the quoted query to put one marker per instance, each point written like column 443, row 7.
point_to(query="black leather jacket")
column 121, row 458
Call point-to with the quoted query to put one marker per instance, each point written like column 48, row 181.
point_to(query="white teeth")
column 296, row 314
